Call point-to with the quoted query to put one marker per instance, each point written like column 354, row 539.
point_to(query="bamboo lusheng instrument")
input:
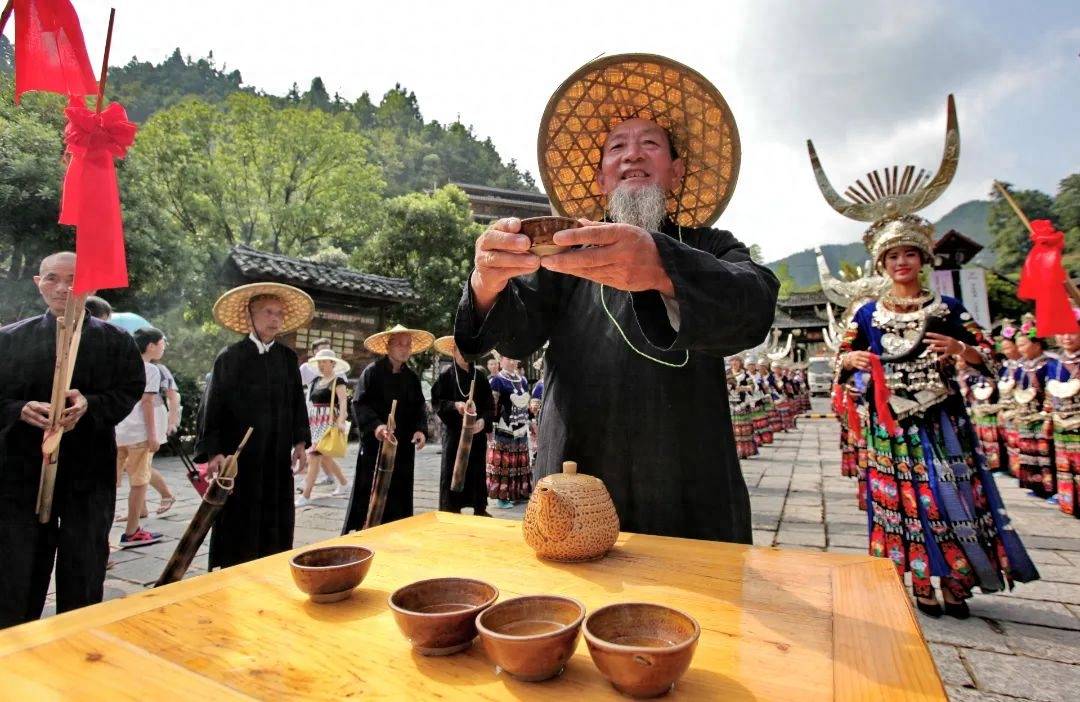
column 1070, row 287
column 212, row 502
column 68, row 335
column 464, row 449
column 384, row 470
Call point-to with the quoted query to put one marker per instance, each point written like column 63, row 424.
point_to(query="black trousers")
column 399, row 499
column 77, row 539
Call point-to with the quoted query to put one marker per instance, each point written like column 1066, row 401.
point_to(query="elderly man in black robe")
column 256, row 383
column 639, row 318
column 448, row 399
column 107, row 382
column 384, row 380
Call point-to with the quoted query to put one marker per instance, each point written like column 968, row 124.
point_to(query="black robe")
column 377, row 387
column 659, row 436
column 444, row 394
column 263, row 391
column 109, row 373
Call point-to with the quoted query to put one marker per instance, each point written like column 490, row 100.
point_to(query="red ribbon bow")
column 91, row 199
column 1043, row 280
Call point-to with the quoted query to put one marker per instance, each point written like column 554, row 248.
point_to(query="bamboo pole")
column 6, row 14
column 464, row 448
column 384, row 471
column 1070, row 287
column 105, row 62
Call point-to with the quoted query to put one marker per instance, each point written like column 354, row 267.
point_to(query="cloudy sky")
column 867, row 81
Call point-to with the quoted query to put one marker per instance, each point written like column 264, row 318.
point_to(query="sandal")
column 165, row 505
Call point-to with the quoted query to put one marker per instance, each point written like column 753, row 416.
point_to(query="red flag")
column 50, row 53
column 91, row 198
column 1043, row 280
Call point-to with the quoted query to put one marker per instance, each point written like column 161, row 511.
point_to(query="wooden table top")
column 775, row 625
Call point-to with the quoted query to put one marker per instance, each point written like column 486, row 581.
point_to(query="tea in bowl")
column 641, row 648
column 331, row 573
column 541, row 231
column 531, row 638
column 438, row 616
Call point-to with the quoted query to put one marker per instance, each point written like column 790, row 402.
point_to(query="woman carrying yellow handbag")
column 329, row 427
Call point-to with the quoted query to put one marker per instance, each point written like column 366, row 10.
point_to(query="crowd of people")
column 765, row 397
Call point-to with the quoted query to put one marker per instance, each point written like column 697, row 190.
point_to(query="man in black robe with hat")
column 383, row 381
column 108, row 380
column 448, row 399
column 256, row 383
column 645, row 153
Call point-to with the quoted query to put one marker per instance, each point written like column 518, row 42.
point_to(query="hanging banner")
column 973, row 295
column 941, row 282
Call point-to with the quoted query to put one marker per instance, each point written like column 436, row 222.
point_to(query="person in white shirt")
column 139, row 436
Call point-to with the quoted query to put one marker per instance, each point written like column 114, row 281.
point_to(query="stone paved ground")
column 1023, row 645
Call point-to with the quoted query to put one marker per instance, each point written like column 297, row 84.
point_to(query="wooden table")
column 775, row 625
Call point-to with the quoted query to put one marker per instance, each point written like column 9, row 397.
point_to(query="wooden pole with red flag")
column 6, row 14
column 1070, row 287
column 68, row 337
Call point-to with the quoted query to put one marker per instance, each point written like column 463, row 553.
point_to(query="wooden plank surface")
column 776, row 625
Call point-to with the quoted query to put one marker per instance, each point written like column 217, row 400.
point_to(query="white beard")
column 643, row 206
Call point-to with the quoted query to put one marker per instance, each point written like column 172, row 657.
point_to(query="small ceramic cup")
column 641, row 648
column 540, row 231
column 533, row 637
column 438, row 616
column 331, row 573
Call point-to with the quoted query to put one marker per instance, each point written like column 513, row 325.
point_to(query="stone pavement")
column 1022, row 645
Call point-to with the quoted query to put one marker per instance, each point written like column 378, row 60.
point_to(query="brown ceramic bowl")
column 641, row 648
column 531, row 638
column 438, row 616
column 540, row 231
column 331, row 573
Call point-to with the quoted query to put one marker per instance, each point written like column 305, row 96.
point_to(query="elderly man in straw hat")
column 108, row 380
column 645, row 152
column 256, row 383
column 448, row 397
column 387, row 379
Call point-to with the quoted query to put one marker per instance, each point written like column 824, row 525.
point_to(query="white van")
column 819, row 372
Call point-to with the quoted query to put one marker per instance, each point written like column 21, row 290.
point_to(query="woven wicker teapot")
column 570, row 517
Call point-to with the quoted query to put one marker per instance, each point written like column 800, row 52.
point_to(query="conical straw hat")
column 231, row 309
column 421, row 340
column 612, row 89
column 445, row 345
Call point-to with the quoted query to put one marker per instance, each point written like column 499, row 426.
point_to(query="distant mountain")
column 969, row 219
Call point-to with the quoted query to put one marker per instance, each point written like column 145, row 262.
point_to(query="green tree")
column 787, row 282
column 427, row 239
column 1066, row 211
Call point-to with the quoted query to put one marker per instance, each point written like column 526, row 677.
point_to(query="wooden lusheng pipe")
column 212, row 501
column 384, row 471
column 464, row 448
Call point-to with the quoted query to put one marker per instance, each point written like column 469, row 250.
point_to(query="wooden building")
column 804, row 316
column 489, row 204
column 349, row 305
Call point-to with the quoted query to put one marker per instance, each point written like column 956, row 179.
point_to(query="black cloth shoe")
column 930, row 610
column 957, row 610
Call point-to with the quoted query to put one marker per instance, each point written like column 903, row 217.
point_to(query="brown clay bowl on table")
column 641, row 648
column 540, row 231
column 531, row 638
column 331, row 573
column 438, row 616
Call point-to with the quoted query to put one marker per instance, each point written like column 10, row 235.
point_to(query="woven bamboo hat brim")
column 612, row 89
column 445, row 345
column 341, row 366
column 421, row 340
column 231, row 309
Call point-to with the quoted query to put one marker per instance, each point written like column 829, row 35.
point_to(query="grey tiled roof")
column 259, row 265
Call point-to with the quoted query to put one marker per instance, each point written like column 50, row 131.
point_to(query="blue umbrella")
column 129, row 321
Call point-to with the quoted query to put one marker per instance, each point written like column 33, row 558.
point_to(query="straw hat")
column 231, row 309
column 341, row 366
column 445, row 345
column 612, row 89
column 421, row 340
